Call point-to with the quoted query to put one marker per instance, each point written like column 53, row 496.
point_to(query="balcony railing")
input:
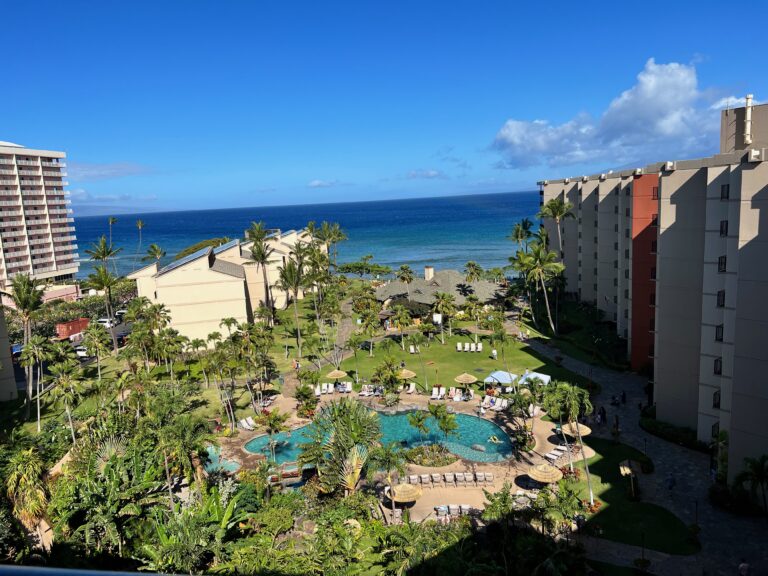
column 36, row 241
column 56, row 183
column 63, row 229
column 34, row 202
column 12, row 233
column 27, row 162
column 40, row 251
column 10, row 203
column 29, row 173
column 8, row 182
column 51, row 164
column 52, row 173
column 9, row 172
column 6, row 161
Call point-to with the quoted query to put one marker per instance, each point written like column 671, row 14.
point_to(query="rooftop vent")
column 429, row 273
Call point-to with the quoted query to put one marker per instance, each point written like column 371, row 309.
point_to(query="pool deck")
column 512, row 470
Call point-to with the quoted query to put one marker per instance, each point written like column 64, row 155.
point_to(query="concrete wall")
column 587, row 220
column 678, row 295
column 732, row 129
column 607, row 263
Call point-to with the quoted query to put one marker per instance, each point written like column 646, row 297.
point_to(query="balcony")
column 6, row 213
column 27, row 162
column 34, row 202
column 12, row 233
column 56, row 183
column 61, row 220
column 69, row 238
column 13, row 244
column 14, row 203
column 63, row 229
column 29, row 173
column 37, row 241
column 8, row 182
column 54, row 174
column 40, row 251
column 52, row 164
column 6, row 161
column 8, row 172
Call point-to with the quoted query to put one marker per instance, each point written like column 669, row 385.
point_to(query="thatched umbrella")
column 465, row 379
column 406, row 374
column 576, row 429
column 404, row 493
column 545, row 473
column 336, row 374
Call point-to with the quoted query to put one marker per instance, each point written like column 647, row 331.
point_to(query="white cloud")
column 86, row 171
column 731, row 102
column 322, row 183
column 429, row 174
column 82, row 196
column 663, row 116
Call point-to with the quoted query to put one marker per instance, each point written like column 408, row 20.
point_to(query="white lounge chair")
column 479, row 346
column 441, row 511
column 349, row 387
column 412, row 349
column 251, row 422
column 472, row 347
column 318, row 391
column 453, row 510
column 435, row 394
column 411, row 388
column 437, row 479
column 466, row 346
column 450, row 478
column 466, row 509
column 413, row 479
column 458, row 346
column 324, row 388
column 244, row 424
column 461, row 479
column 425, row 480
column 486, row 401
column 479, row 477
column 442, row 393
column 489, row 477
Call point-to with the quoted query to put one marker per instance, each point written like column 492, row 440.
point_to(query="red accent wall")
column 67, row 329
column 644, row 208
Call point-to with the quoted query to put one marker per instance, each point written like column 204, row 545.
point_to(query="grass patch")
column 622, row 519
column 430, row 455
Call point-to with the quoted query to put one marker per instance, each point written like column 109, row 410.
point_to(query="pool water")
column 471, row 431
column 217, row 463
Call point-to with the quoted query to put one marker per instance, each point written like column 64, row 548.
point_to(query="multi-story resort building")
column 214, row 283
column 676, row 254
column 37, row 233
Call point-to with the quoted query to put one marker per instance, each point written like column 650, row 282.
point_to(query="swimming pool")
column 217, row 463
column 472, row 431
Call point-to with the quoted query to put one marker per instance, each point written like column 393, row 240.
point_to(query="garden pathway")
column 725, row 538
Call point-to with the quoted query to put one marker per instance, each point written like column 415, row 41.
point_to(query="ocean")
column 444, row 232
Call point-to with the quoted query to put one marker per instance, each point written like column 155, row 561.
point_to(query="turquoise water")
column 217, row 463
column 395, row 428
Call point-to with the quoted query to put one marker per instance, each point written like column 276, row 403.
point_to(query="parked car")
column 119, row 314
column 107, row 322
column 82, row 352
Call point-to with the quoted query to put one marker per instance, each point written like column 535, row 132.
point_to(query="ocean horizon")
column 445, row 232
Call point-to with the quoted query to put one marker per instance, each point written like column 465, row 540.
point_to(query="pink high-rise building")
column 37, row 232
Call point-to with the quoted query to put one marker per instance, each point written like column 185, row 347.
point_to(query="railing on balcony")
column 27, row 162
column 8, row 183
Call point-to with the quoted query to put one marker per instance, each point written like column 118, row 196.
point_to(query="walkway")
column 725, row 538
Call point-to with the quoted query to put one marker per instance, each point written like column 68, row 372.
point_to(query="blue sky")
column 172, row 105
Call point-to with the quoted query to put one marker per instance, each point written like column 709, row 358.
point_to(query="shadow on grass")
column 622, row 519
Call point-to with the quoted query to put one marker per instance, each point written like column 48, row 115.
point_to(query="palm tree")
column 36, row 352
column 389, row 458
column 354, row 342
column 418, row 419
column 257, row 232
column 542, row 268
column 369, row 321
column 401, row 318
column 139, row 227
column 25, row 486
column 101, row 279
column 66, row 389
column 228, row 323
column 443, row 305
column 405, row 275
column 261, row 256
column 447, row 424
column 473, row 309
column 574, row 401
column 755, row 474
column 27, row 299
column 521, row 233
column 110, row 221
column 521, row 263
column 472, row 272
column 274, row 423
column 154, row 252
column 418, row 339
column 95, row 339
column 291, row 281
column 557, row 210
column 102, row 251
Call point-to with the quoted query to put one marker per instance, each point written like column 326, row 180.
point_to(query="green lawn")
column 622, row 519
column 441, row 363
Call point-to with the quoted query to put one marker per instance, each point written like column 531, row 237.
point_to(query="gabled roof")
column 449, row 281
column 203, row 252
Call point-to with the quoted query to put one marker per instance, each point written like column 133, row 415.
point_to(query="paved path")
column 725, row 538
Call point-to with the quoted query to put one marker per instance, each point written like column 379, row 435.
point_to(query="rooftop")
column 450, row 281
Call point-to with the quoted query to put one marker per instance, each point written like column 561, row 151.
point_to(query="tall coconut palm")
column 111, row 221
column 27, row 300
column 66, row 389
column 542, row 266
column 36, row 353
column 472, row 272
column 405, row 275
column 25, row 486
column 575, row 401
column 444, row 305
column 557, row 210
column 291, row 281
column 102, row 251
column 521, row 233
column 354, row 342
column 755, row 474
column 389, row 458
column 473, row 309
column 261, row 256
column 521, row 263
column 154, row 252
column 418, row 420
column 257, row 232
column 402, row 319
column 95, row 339
column 101, row 279
column 274, row 423
column 139, row 227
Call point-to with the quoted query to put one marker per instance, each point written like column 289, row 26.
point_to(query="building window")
column 626, row 232
column 579, row 276
column 626, row 253
column 722, row 263
column 615, row 245
column 715, row 430
column 725, row 191
column 655, row 193
column 626, row 273
column 615, row 317
column 652, row 299
column 626, row 313
column 615, row 263
column 718, row 366
column 615, row 299
column 615, row 209
column 654, row 246
column 719, row 329
column 723, row 228
column 652, row 323
column 594, row 287
column 626, row 212
column 653, row 273
column 616, row 191
column 615, row 227
column 615, row 281
column 651, row 350
column 721, row 298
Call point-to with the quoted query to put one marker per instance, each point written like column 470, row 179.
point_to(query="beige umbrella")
column 544, row 473
column 336, row 374
column 404, row 493
column 406, row 374
column 572, row 427
column 465, row 379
